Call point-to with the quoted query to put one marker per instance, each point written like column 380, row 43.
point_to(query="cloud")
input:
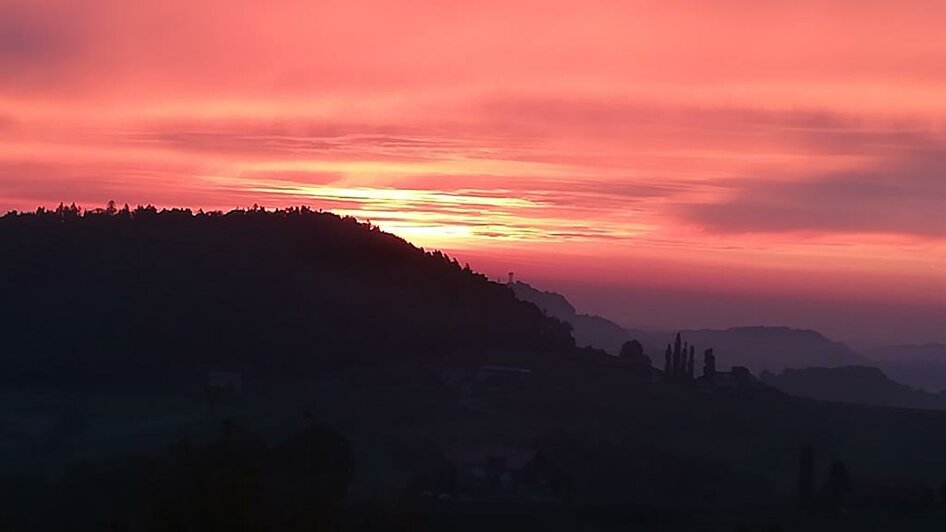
column 211, row 50
column 792, row 134
column 39, row 47
column 821, row 129
column 592, row 168
column 303, row 139
column 27, row 35
column 901, row 196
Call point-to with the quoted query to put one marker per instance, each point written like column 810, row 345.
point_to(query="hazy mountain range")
column 918, row 365
column 771, row 349
column 853, row 384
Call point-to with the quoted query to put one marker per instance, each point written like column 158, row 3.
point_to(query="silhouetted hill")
column 920, row 353
column 923, row 366
column 107, row 294
column 552, row 303
column 852, row 384
column 408, row 358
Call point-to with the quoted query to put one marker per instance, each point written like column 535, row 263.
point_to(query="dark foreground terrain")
column 299, row 371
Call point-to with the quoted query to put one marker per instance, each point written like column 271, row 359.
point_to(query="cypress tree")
column 690, row 363
column 677, row 356
column 668, row 364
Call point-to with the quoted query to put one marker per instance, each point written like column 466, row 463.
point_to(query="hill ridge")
column 262, row 291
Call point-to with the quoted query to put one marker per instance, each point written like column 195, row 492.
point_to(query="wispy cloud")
column 903, row 196
column 803, row 133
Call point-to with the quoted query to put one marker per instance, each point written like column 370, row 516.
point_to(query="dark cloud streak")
column 906, row 195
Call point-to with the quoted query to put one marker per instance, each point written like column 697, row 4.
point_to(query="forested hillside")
column 90, row 296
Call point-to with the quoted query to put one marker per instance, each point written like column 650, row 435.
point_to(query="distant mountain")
column 923, row 366
column 852, row 384
column 758, row 348
column 772, row 348
column 918, row 353
column 588, row 329
column 553, row 303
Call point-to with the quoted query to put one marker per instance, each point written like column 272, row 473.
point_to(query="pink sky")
column 790, row 151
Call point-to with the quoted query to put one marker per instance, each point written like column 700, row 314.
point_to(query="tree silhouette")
column 709, row 366
column 677, row 357
column 837, row 485
column 690, row 363
column 668, row 365
column 806, row 476
column 235, row 482
column 633, row 352
column 315, row 468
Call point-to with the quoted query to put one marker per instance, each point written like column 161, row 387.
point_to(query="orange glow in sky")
column 787, row 148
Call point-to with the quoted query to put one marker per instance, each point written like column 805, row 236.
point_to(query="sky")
column 665, row 163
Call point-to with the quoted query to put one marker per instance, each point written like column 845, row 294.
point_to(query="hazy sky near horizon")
column 792, row 152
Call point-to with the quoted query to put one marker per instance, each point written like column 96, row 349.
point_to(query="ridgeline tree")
column 668, row 365
column 690, row 363
column 633, row 352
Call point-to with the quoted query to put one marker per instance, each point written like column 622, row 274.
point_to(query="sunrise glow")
column 776, row 147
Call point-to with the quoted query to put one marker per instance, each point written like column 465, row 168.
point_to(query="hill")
column 131, row 296
column 588, row 329
column 774, row 348
column 446, row 395
column 923, row 366
column 852, row 384
column 757, row 348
